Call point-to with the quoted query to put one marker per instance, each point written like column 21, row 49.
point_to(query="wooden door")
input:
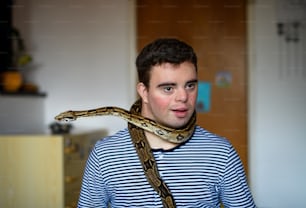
column 217, row 31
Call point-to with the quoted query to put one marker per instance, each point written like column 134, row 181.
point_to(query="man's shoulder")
column 118, row 140
column 203, row 135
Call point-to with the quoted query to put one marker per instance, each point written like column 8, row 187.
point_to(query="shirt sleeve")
column 235, row 191
column 93, row 192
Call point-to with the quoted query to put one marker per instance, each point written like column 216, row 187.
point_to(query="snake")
column 137, row 125
column 166, row 133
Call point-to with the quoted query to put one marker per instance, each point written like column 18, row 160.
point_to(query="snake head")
column 66, row 116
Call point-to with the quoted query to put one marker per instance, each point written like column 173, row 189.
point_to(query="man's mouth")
column 180, row 113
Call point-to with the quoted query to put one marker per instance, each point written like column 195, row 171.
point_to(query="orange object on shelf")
column 11, row 81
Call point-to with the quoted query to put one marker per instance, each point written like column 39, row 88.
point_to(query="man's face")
column 171, row 97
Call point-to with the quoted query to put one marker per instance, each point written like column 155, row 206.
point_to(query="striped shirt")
column 203, row 172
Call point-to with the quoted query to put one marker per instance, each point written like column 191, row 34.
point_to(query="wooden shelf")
column 35, row 94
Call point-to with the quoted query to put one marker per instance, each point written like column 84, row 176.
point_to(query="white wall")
column 21, row 114
column 277, row 113
column 84, row 51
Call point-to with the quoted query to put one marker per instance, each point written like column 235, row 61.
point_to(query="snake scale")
column 137, row 126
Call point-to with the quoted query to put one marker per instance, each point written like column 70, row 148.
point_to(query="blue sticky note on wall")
column 204, row 96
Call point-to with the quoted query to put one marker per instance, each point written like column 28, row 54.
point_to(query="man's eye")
column 168, row 89
column 191, row 86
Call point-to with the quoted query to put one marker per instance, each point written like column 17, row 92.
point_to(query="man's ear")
column 142, row 92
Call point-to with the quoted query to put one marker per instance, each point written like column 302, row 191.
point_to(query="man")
column 177, row 164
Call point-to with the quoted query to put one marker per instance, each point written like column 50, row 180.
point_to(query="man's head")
column 164, row 50
column 167, row 70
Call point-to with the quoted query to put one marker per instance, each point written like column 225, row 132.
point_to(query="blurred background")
column 76, row 55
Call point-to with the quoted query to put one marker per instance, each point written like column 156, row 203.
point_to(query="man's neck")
column 156, row 142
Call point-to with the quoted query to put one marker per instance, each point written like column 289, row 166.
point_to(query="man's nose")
column 181, row 95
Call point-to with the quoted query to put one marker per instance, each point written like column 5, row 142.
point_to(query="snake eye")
column 68, row 119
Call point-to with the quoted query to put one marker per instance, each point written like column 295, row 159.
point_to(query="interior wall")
column 83, row 55
column 277, row 100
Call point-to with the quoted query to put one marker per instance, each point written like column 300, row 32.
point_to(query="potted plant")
column 12, row 78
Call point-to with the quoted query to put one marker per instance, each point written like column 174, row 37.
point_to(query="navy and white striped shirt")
column 202, row 172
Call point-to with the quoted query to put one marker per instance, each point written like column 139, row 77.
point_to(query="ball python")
column 166, row 133
column 137, row 126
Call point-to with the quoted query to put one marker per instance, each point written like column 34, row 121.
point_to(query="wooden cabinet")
column 76, row 152
column 43, row 171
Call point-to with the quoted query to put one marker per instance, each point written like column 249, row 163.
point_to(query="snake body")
column 169, row 134
column 137, row 127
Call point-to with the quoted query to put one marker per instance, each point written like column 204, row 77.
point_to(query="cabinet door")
column 217, row 31
column 77, row 148
column 31, row 173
